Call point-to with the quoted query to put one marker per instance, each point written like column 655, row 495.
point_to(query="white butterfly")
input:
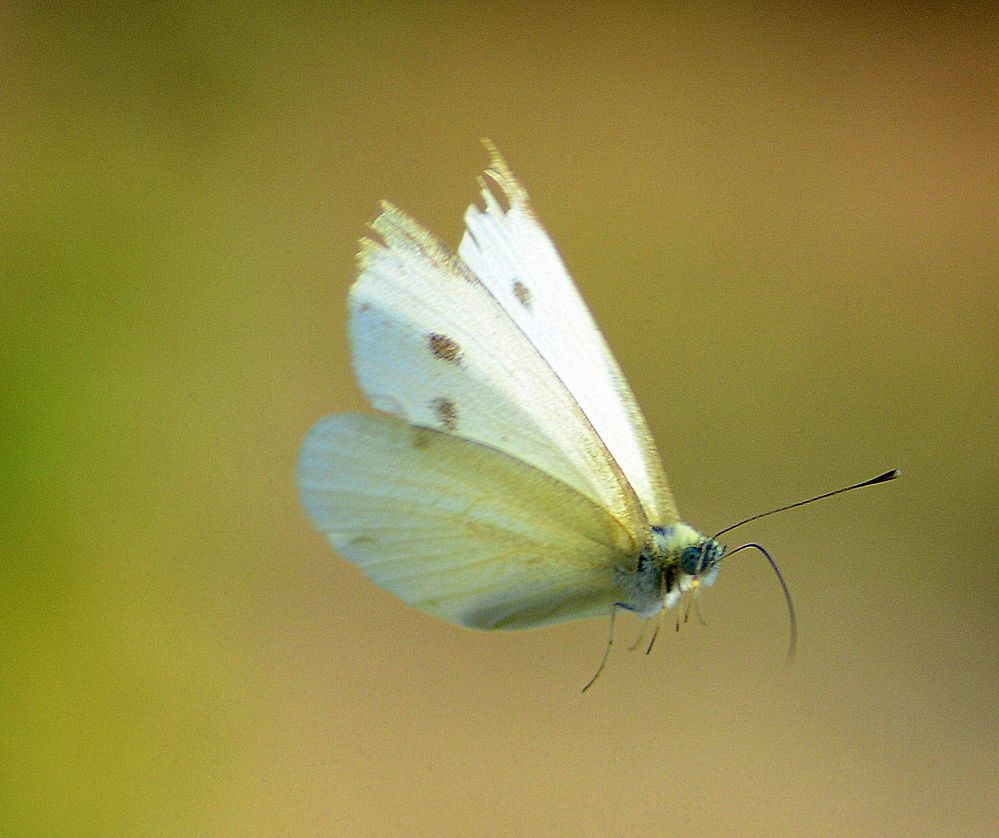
column 514, row 482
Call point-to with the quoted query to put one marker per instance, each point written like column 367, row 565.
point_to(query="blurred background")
column 785, row 221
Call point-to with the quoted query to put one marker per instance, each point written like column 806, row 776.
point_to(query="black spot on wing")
column 522, row 293
column 447, row 413
column 444, row 348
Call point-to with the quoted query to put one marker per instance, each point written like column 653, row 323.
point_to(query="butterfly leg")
column 698, row 610
column 610, row 642
column 655, row 634
column 641, row 635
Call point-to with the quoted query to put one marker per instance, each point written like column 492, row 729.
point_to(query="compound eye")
column 690, row 560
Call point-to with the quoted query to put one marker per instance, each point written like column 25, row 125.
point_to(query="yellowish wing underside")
column 457, row 528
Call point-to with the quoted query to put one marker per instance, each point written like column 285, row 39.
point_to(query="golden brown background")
column 785, row 221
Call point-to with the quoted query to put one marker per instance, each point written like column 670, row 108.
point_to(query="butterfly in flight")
column 509, row 479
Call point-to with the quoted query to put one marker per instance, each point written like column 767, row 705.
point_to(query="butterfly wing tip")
column 500, row 173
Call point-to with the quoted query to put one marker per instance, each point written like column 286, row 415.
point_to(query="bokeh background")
column 784, row 218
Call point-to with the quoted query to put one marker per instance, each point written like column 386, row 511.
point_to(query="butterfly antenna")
column 610, row 642
column 881, row 478
column 793, row 644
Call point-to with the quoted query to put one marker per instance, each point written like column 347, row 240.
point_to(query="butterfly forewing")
column 433, row 346
column 512, row 255
column 459, row 529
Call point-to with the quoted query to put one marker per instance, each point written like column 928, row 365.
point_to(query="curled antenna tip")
column 792, row 645
column 791, row 616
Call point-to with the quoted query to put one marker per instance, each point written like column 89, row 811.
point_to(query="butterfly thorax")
column 675, row 559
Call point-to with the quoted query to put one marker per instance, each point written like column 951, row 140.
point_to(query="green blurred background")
column 785, row 221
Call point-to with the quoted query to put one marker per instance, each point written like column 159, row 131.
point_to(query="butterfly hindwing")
column 456, row 528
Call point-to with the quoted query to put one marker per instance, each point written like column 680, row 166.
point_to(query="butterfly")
column 509, row 479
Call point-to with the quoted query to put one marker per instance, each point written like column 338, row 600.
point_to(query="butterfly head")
column 701, row 559
column 688, row 551
column 684, row 559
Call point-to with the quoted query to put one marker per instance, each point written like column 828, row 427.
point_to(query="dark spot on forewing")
column 522, row 293
column 447, row 413
column 444, row 348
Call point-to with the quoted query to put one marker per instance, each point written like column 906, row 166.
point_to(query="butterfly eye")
column 690, row 560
